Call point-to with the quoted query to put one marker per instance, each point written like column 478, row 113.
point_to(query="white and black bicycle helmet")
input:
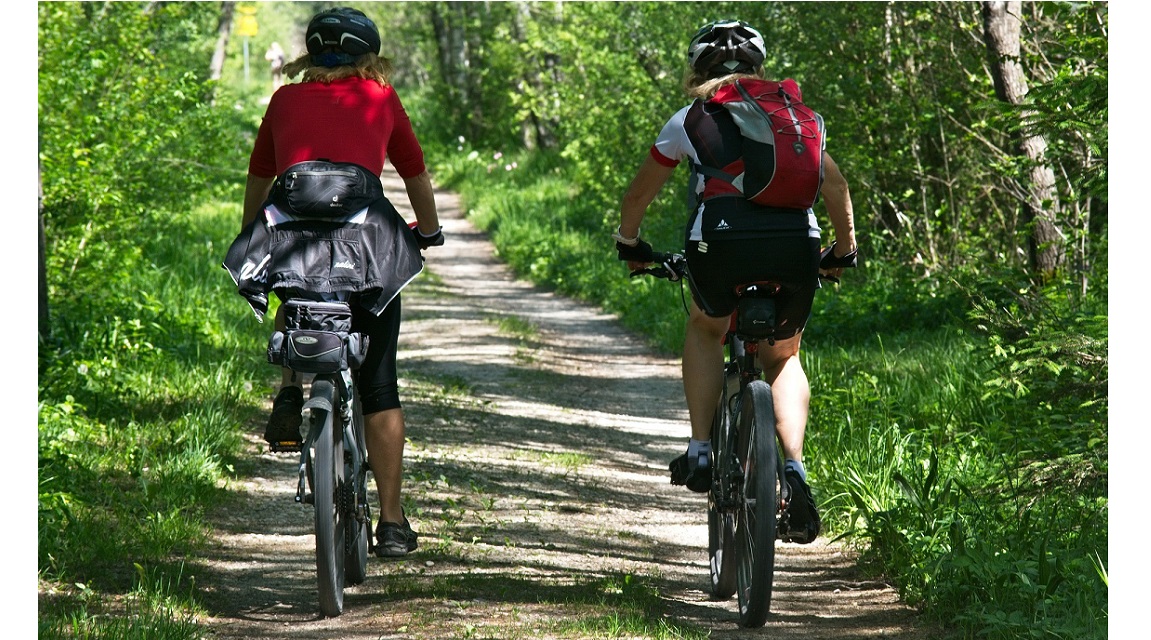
column 726, row 46
column 340, row 35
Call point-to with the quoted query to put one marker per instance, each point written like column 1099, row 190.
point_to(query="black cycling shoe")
column 283, row 430
column 698, row 480
column 803, row 524
column 394, row 540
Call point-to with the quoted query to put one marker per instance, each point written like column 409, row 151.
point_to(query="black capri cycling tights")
column 792, row 261
column 376, row 378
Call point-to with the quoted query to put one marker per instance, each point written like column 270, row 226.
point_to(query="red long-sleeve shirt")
column 350, row 120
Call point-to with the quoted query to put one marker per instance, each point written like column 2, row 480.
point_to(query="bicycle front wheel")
column 359, row 519
column 328, row 469
column 756, row 519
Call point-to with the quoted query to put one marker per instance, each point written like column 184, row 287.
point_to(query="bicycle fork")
column 318, row 406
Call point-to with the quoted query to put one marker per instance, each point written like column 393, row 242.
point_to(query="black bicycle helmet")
column 342, row 31
column 726, row 46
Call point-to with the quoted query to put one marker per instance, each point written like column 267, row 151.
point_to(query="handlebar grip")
column 670, row 266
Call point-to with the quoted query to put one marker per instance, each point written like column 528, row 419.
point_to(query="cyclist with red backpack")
column 758, row 166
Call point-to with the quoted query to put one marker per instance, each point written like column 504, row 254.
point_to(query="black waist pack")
column 317, row 338
column 324, row 189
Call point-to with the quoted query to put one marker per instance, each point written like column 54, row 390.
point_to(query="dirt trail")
column 539, row 434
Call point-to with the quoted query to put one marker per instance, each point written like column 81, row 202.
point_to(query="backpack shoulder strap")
column 712, row 172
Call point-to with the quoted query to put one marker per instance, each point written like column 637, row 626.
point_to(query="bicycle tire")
column 356, row 501
column 756, row 523
column 720, row 517
column 326, row 492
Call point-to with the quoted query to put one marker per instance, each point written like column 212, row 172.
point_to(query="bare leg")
column 703, row 368
column 790, row 392
column 384, row 432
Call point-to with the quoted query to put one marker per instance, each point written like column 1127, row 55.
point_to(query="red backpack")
column 782, row 160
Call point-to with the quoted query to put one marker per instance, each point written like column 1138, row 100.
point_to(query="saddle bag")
column 324, row 189
column 756, row 317
column 317, row 338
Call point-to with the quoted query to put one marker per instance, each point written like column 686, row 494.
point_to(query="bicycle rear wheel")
column 356, row 510
column 328, row 469
column 721, row 499
column 756, row 520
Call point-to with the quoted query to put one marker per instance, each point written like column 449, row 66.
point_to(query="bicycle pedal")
column 285, row 446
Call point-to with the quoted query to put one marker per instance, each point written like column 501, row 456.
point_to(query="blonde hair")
column 697, row 85
column 368, row 65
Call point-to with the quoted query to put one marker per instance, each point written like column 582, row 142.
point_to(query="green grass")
column 161, row 606
column 140, row 400
column 516, row 327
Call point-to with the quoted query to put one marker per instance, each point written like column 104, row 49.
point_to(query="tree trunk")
column 44, row 325
column 536, row 129
column 448, row 25
column 223, row 33
column 1002, row 25
column 476, row 16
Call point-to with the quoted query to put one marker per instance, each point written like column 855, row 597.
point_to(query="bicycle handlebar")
column 669, row 266
column 672, row 266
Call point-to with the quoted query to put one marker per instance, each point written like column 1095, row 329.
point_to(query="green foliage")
column 145, row 404
column 1047, row 353
column 1069, row 107
column 128, row 130
column 138, row 417
column 980, row 508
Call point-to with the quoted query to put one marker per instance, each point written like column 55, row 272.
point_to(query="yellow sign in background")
column 246, row 21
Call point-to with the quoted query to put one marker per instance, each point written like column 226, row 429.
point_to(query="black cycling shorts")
column 790, row 260
column 376, row 378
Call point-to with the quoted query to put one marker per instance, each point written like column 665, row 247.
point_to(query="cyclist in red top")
column 344, row 110
column 732, row 241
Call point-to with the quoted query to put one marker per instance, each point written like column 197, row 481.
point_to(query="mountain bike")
column 333, row 469
column 748, row 498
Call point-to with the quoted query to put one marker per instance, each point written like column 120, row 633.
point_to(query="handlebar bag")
column 324, row 189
